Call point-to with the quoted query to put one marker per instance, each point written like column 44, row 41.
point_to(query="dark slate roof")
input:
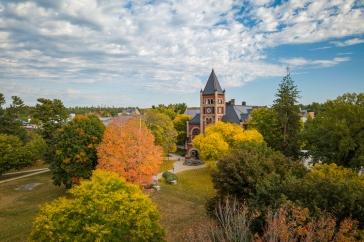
column 231, row 115
column 196, row 119
column 212, row 85
column 192, row 111
column 236, row 113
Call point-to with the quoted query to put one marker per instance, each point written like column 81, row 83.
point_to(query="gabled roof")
column 212, row 85
column 196, row 119
column 231, row 115
column 236, row 113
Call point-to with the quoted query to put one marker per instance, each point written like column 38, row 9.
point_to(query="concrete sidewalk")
column 179, row 166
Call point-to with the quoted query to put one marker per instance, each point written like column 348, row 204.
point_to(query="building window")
column 195, row 131
column 208, row 120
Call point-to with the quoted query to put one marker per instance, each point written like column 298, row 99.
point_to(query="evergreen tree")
column 285, row 105
column 9, row 118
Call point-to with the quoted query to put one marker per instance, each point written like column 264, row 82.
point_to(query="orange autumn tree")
column 128, row 149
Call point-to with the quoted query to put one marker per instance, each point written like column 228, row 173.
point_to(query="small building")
column 305, row 114
column 213, row 108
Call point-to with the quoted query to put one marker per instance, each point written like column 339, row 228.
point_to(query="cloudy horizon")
column 140, row 53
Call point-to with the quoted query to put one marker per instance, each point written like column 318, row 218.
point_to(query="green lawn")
column 17, row 208
column 182, row 205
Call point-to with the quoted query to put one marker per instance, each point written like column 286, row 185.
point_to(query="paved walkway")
column 179, row 166
column 37, row 172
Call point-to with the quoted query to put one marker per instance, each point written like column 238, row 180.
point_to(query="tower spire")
column 212, row 84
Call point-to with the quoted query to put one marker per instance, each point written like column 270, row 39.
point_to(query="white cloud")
column 164, row 45
column 353, row 41
column 299, row 62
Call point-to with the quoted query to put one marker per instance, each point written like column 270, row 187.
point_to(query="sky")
column 142, row 53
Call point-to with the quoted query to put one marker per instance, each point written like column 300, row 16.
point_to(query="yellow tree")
column 220, row 137
column 128, row 149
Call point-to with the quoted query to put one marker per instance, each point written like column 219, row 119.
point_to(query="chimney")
column 243, row 103
column 232, row 101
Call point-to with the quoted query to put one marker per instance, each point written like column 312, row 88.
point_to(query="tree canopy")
column 265, row 120
column 180, row 124
column 330, row 188
column 105, row 208
column 10, row 122
column 162, row 127
column 52, row 115
column 75, row 149
column 128, row 149
column 220, row 137
column 336, row 134
column 16, row 154
column 255, row 174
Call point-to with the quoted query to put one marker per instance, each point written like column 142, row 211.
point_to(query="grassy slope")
column 182, row 205
column 17, row 208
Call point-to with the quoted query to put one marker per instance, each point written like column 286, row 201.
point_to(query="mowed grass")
column 18, row 207
column 182, row 206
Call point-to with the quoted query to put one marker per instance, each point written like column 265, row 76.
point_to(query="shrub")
column 294, row 223
column 235, row 222
column 255, row 174
column 169, row 176
column 330, row 188
column 14, row 154
column 105, row 208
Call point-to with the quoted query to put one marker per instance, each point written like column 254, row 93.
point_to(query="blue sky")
column 140, row 53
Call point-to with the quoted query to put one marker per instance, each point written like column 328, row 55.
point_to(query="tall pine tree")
column 287, row 110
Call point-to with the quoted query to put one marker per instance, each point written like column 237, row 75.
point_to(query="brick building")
column 213, row 108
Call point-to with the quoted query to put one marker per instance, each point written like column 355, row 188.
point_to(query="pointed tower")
column 212, row 102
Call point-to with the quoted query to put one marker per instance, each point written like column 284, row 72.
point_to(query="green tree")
column 2, row 100
column 36, row 147
column 287, row 110
column 265, row 120
column 14, row 154
column 105, row 208
column 75, row 153
column 180, row 124
column 9, row 118
column 171, row 110
column 52, row 115
column 331, row 188
column 255, row 174
column 163, row 130
column 337, row 133
column 313, row 107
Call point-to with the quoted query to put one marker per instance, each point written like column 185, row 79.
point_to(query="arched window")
column 194, row 132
